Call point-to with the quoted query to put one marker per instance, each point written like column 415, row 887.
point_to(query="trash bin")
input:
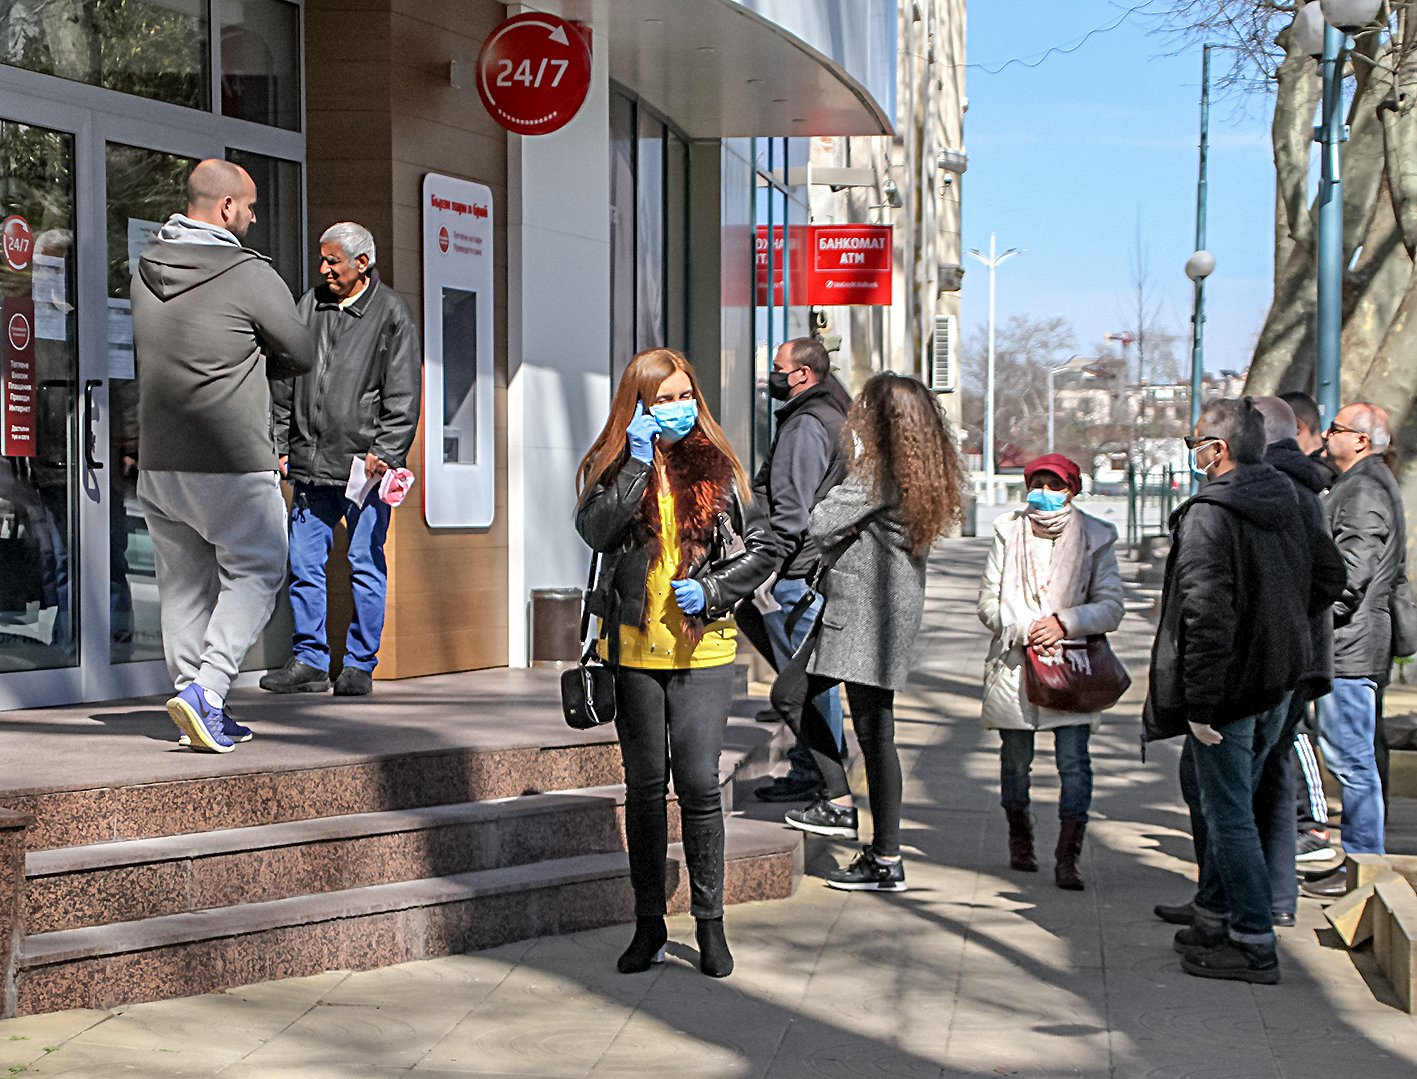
column 555, row 626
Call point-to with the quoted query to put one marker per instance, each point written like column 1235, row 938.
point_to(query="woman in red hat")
column 1052, row 576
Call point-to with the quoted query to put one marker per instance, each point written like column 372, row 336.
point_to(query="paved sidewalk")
column 976, row 971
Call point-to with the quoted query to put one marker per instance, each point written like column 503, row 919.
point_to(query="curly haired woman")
column 665, row 500
column 902, row 491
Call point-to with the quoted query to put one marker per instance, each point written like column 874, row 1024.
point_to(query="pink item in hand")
column 395, row 485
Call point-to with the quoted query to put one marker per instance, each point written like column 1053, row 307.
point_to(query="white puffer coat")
column 1006, row 703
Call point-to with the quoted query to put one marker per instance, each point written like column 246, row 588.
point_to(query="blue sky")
column 1066, row 158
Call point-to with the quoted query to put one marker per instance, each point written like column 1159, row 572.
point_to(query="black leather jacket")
column 1364, row 508
column 740, row 557
column 364, row 394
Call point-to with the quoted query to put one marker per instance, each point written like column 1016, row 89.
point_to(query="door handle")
column 90, row 439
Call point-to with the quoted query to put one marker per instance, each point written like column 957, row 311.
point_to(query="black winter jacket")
column 805, row 462
column 1365, row 514
column 364, row 394
column 1310, row 479
column 1239, row 591
column 738, row 555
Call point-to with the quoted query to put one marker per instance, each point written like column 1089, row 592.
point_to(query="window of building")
column 649, row 229
column 260, row 61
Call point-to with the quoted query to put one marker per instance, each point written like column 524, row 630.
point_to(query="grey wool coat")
column 874, row 592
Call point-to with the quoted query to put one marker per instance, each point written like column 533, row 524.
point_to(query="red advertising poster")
column 850, row 264
column 533, row 73
column 780, row 254
column 17, row 404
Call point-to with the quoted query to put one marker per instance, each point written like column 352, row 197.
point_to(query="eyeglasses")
column 1192, row 441
column 1339, row 429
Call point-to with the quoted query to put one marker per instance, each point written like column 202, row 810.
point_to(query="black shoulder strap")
column 587, row 639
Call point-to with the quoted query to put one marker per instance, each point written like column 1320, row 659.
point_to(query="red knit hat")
column 1062, row 467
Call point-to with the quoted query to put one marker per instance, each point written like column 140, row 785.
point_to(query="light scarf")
column 1025, row 594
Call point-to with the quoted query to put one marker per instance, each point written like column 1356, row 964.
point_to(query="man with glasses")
column 1364, row 508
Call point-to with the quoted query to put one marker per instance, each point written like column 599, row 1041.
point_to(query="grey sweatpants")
column 219, row 542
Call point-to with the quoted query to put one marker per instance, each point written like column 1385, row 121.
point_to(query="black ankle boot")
column 715, row 959
column 646, row 946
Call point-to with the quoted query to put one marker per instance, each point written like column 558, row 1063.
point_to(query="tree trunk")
column 1373, row 290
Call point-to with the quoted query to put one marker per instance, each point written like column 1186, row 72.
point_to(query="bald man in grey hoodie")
column 212, row 325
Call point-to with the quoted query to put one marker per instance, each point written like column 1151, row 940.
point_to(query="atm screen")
column 459, row 376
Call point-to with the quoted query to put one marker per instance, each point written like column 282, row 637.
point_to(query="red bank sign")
column 533, row 73
column 841, row 264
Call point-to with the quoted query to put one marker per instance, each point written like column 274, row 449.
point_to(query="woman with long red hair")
column 665, row 501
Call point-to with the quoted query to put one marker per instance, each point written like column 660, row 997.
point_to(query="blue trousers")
column 313, row 517
column 784, row 647
column 1348, row 719
column 1234, row 879
column 1074, row 763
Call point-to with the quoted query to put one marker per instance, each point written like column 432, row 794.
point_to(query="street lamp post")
column 1201, row 263
column 993, row 262
column 1322, row 30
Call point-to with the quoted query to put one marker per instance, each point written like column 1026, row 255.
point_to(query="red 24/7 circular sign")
column 18, row 242
column 533, row 73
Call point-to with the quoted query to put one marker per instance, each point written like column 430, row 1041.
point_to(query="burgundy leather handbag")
column 1090, row 679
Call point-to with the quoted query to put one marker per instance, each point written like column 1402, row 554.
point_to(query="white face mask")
column 1201, row 473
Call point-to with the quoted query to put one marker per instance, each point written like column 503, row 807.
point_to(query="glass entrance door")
column 78, row 589
column 40, row 398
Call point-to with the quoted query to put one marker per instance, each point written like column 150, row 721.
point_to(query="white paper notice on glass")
column 140, row 234
column 360, row 482
column 49, row 287
column 120, row 339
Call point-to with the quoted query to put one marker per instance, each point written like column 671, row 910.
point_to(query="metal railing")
column 1152, row 494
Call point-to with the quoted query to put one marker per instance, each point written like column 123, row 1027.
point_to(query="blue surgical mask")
column 676, row 419
column 1040, row 498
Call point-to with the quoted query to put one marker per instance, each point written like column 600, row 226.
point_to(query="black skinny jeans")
column 672, row 722
column 873, row 717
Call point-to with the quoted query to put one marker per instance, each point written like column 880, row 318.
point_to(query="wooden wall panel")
column 371, row 141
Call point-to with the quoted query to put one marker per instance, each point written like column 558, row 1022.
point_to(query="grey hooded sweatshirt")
column 212, row 324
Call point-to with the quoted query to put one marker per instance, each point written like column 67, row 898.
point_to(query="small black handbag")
column 588, row 689
column 1404, row 617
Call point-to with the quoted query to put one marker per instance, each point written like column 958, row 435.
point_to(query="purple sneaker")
column 197, row 719
column 233, row 730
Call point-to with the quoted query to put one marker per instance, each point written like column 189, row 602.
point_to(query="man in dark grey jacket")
column 212, row 323
column 358, row 407
column 805, row 462
column 1365, row 514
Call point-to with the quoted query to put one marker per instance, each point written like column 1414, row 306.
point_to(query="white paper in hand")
column 360, row 482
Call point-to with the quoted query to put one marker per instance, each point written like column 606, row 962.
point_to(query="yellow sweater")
column 661, row 645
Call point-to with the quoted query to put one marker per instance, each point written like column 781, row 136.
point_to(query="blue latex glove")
column 690, row 596
column 641, row 434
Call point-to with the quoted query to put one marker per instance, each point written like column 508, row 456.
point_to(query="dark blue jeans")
column 1074, row 769
column 313, row 517
column 1234, row 879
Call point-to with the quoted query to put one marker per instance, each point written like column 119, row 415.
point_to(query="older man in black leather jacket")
column 360, row 403
column 1364, row 508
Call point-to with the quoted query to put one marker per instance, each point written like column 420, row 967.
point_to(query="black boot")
column 1070, row 836
column 646, row 946
column 715, row 959
column 296, row 677
column 1021, row 856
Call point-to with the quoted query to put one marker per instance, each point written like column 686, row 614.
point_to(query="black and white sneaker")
column 866, row 874
column 823, row 818
column 1314, row 846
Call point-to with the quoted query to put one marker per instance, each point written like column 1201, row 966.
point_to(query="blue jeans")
column 1074, row 769
column 1348, row 719
column 787, row 593
column 313, row 517
column 1234, row 879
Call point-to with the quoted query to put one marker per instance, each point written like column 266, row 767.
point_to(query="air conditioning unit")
column 944, row 372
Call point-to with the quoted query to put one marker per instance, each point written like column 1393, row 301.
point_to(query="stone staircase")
column 150, row 890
